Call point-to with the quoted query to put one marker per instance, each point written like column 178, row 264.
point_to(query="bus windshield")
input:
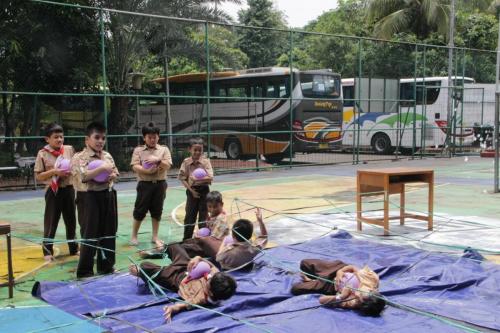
column 320, row 85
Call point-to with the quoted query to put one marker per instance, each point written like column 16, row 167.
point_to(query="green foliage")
column 262, row 46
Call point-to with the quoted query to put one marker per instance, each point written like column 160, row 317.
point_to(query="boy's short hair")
column 150, row 128
column 242, row 230
column 195, row 141
column 52, row 128
column 372, row 305
column 214, row 197
column 222, row 286
column 94, row 127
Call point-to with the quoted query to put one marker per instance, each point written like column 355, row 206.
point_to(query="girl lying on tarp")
column 345, row 286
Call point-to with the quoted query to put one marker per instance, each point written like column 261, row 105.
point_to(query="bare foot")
column 159, row 243
column 133, row 241
column 132, row 269
column 48, row 258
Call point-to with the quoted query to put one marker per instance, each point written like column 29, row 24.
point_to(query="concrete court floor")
column 463, row 188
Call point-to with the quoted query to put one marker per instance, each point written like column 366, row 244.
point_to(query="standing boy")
column 196, row 188
column 96, row 203
column 59, row 192
column 150, row 162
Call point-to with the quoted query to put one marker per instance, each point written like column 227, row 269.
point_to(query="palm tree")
column 418, row 16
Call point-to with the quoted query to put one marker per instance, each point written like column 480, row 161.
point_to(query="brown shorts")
column 150, row 198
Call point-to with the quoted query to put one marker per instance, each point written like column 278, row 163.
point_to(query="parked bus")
column 250, row 110
column 389, row 115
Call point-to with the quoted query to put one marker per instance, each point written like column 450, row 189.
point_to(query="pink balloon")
column 199, row 173
column 228, row 240
column 64, row 164
column 204, row 232
column 349, row 280
column 101, row 177
column 199, row 270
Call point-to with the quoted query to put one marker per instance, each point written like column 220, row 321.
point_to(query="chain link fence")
column 355, row 100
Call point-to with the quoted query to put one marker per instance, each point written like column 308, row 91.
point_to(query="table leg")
column 386, row 206
column 402, row 205
column 9, row 268
column 358, row 204
column 430, row 223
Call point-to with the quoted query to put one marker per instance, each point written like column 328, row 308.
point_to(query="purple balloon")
column 204, row 232
column 147, row 165
column 199, row 173
column 64, row 164
column 349, row 280
column 199, row 270
column 228, row 240
column 101, row 177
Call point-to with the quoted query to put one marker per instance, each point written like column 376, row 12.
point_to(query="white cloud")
column 298, row 13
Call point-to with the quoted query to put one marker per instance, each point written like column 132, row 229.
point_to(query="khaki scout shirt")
column 45, row 161
column 189, row 165
column 196, row 291
column 79, row 165
column 240, row 253
column 141, row 153
column 368, row 282
column 218, row 225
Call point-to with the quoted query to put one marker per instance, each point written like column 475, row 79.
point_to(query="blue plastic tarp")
column 455, row 287
column 43, row 319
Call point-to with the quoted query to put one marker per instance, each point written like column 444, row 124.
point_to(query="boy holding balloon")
column 196, row 174
column 94, row 171
column 52, row 167
column 150, row 162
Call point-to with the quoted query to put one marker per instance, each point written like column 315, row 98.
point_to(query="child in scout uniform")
column 343, row 285
column 197, row 187
column 150, row 162
column 94, row 171
column 208, row 289
column 52, row 167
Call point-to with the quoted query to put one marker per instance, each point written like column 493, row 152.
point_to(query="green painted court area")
column 463, row 205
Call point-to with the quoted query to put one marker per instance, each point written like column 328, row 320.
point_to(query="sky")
column 298, row 12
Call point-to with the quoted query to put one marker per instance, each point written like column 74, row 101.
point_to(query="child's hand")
column 152, row 170
column 168, row 311
column 193, row 262
column 194, row 193
column 61, row 173
column 338, row 278
column 106, row 166
column 258, row 214
column 112, row 176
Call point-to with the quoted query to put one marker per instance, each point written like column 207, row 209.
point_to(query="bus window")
column 320, row 86
column 348, row 92
column 219, row 91
column 278, row 89
column 407, row 93
column 240, row 91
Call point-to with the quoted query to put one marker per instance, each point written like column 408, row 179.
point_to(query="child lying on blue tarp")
column 350, row 287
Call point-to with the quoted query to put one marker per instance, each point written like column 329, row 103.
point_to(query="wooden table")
column 389, row 181
column 5, row 230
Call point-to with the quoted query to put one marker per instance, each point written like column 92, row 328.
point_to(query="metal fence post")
column 290, row 97
column 207, row 55
column 104, row 79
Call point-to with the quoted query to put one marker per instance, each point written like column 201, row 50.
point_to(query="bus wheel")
column 233, row 149
column 381, row 144
column 274, row 158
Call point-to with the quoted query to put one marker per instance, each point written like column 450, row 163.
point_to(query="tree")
column 130, row 39
column 262, row 46
column 420, row 17
column 45, row 48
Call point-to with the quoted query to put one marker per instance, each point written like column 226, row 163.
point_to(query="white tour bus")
column 388, row 115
